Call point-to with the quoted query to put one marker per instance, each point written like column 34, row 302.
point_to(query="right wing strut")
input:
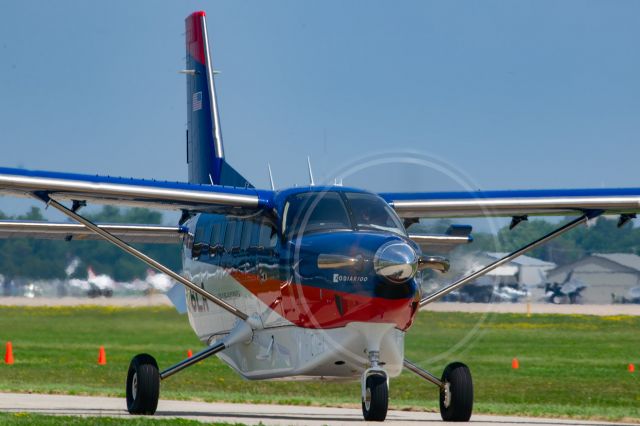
column 469, row 278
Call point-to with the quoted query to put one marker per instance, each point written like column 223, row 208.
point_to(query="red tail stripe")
column 194, row 36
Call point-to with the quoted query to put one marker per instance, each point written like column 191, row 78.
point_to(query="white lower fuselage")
column 282, row 350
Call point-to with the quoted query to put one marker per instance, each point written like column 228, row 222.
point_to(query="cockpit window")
column 314, row 211
column 370, row 212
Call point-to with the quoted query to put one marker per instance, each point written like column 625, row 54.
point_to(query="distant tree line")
column 603, row 236
column 47, row 259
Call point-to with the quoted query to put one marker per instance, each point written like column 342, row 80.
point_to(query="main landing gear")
column 143, row 385
column 143, row 378
column 456, row 390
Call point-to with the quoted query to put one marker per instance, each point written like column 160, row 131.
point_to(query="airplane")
column 100, row 285
column 94, row 285
column 157, row 282
column 312, row 282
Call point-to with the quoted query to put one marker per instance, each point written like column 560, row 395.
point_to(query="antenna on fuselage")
column 273, row 186
column 312, row 183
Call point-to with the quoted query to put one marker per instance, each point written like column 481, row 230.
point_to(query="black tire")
column 459, row 405
column 375, row 410
column 143, row 385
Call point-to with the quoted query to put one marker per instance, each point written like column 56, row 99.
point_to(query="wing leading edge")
column 133, row 192
column 514, row 203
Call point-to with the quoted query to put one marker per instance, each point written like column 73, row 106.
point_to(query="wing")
column 74, row 231
column 133, row 192
column 514, row 203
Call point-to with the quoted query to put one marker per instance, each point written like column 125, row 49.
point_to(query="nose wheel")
column 376, row 398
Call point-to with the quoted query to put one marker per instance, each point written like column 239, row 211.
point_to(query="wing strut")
column 469, row 278
column 143, row 257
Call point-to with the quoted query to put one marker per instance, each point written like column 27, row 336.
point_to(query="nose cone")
column 396, row 261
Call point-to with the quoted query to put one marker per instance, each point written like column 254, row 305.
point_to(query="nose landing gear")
column 375, row 390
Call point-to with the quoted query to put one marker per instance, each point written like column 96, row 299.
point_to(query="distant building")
column 603, row 274
column 523, row 270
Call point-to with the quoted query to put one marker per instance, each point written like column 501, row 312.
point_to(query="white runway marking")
column 246, row 413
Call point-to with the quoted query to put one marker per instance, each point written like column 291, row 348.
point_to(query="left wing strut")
column 143, row 257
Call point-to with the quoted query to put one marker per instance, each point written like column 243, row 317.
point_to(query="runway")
column 251, row 414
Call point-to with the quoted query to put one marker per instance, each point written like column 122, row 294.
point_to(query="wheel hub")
column 367, row 399
column 447, row 394
column 134, row 386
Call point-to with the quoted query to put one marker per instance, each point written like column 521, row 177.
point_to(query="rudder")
column 205, row 151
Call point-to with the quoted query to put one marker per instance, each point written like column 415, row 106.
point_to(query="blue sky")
column 510, row 94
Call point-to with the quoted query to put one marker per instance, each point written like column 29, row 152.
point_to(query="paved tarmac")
column 247, row 413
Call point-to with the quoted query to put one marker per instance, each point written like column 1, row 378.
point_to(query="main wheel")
column 143, row 385
column 456, row 397
column 376, row 401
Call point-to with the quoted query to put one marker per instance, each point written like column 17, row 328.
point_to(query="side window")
column 216, row 237
column 199, row 242
column 229, row 234
column 237, row 237
column 255, row 235
column 245, row 239
column 215, row 244
column 268, row 236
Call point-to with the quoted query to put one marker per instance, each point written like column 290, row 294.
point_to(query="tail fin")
column 205, row 151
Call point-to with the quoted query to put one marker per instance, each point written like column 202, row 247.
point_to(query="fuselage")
column 268, row 265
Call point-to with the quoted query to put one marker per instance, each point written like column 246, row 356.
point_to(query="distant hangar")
column 604, row 274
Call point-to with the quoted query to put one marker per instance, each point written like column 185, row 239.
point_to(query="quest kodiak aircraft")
column 300, row 283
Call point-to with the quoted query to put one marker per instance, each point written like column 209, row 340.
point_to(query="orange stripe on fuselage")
column 314, row 307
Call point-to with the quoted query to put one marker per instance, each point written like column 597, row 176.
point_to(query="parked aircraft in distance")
column 299, row 283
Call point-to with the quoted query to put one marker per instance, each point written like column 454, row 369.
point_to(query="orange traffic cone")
column 631, row 368
column 189, row 353
column 8, row 355
column 102, row 356
column 515, row 364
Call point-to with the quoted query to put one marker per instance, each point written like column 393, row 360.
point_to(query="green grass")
column 21, row 419
column 570, row 365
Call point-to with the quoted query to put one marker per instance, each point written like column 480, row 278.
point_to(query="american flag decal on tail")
column 196, row 101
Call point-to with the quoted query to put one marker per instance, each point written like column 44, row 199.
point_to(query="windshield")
column 314, row 211
column 370, row 212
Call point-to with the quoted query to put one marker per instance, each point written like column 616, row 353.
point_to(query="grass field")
column 23, row 419
column 570, row 365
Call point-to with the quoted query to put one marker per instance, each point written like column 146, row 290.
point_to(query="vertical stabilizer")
column 205, row 151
